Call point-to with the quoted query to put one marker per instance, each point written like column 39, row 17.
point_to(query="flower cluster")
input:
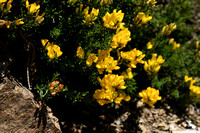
column 142, row 18
column 121, row 38
column 113, row 20
column 108, row 64
column 90, row 17
column 34, row 8
column 152, row 2
column 111, row 90
column 91, row 58
column 175, row 44
column 8, row 5
column 134, row 56
column 127, row 74
column 53, row 49
column 168, row 29
column 153, row 65
column 150, row 96
column 195, row 90
column 80, row 53
column 104, row 62
column 55, row 87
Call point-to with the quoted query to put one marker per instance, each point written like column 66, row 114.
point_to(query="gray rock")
column 20, row 113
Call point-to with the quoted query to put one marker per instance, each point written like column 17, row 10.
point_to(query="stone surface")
column 20, row 113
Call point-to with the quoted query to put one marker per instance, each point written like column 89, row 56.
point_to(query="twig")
column 28, row 79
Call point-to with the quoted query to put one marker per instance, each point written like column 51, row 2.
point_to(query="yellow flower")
column 120, row 98
column 171, row 40
column 44, row 41
column 57, row 50
column 53, row 50
column 121, row 38
column 128, row 74
column 113, row 20
column 168, row 29
column 150, row 96
column 3, row 1
column 51, row 54
column 153, row 65
column 104, row 96
column 176, row 45
column 19, row 22
column 142, row 18
column 91, row 58
column 197, row 44
column 110, row 92
column 27, row 4
column 9, row 6
column 80, row 53
column 149, row 45
column 134, row 56
column 112, row 81
column 2, row 6
column 8, row 24
column 90, row 18
column 127, row 98
column 103, row 54
column 152, row 2
column 32, row 8
column 199, row 53
column 108, row 64
column 39, row 19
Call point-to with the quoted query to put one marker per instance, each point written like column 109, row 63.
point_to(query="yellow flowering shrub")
column 150, row 96
column 106, row 39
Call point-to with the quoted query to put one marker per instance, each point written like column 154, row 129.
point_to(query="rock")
column 139, row 104
column 19, row 112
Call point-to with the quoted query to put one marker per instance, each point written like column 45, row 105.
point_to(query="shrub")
column 107, row 51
